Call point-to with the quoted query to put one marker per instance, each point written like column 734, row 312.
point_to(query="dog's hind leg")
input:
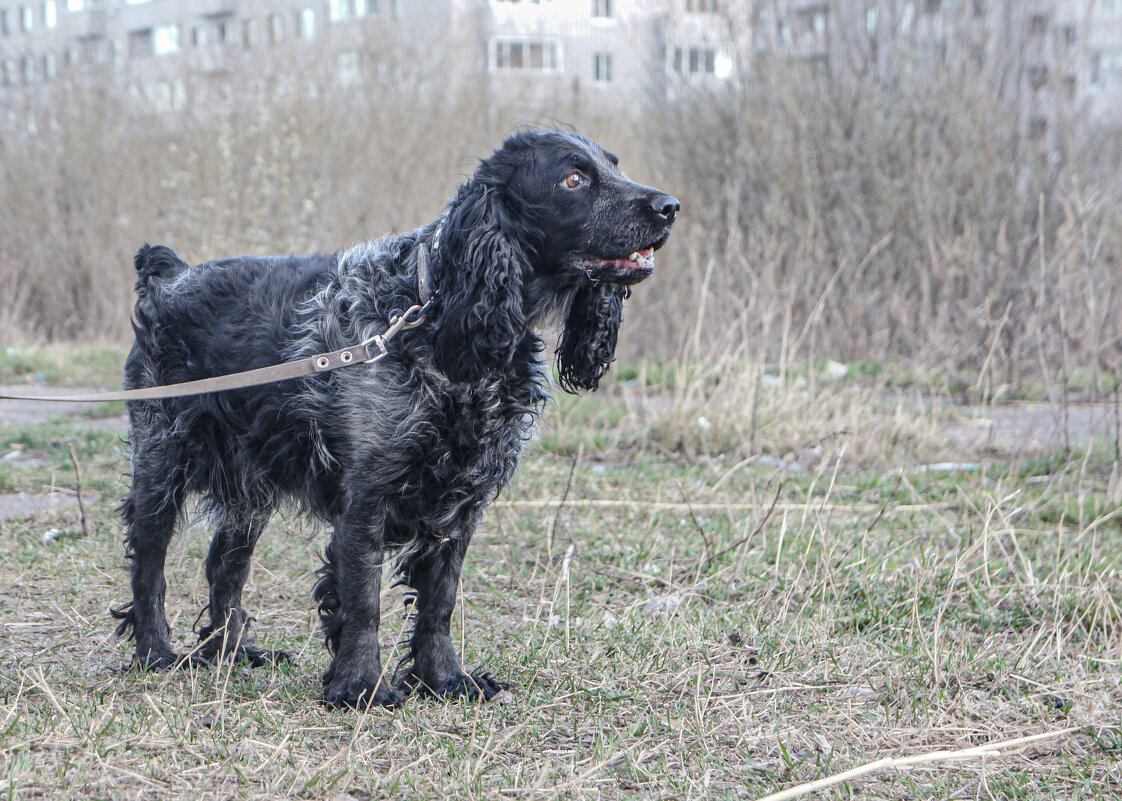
column 435, row 575
column 227, row 568
column 150, row 511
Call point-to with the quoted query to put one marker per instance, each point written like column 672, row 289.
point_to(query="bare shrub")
column 905, row 219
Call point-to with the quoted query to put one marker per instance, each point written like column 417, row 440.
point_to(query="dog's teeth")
column 634, row 256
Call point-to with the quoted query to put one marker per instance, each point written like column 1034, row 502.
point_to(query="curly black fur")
column 402, row 456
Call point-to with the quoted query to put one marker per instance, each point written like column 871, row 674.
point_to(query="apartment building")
column 1056, row 57
column 167, row 53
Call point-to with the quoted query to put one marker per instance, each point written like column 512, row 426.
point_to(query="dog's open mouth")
column 641, row 260
column 629, row 269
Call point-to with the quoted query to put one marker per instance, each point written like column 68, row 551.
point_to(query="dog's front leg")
column 435, row 669
column 349, row 599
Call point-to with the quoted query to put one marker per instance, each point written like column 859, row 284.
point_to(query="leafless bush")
column 902, row 221
column 909, row 219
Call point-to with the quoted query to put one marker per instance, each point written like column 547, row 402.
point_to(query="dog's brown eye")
column 573, row 180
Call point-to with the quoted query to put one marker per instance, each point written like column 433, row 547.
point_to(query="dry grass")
column 907, row 220
column 677, row 621
column 720, row 577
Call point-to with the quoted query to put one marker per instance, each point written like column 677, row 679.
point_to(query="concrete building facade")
column 597, row 52
column 1057, row 57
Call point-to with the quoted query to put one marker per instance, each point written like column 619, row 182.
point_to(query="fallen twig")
column 78, row 490
column 561, row 504
column 756, row 530
column 670, row 506
column 980, row 751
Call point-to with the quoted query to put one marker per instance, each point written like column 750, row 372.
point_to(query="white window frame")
column 602, row 68
column 306, row 25
column 502, row 50
column 165, row 39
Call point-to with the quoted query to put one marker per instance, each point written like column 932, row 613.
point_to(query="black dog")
column 403, row 455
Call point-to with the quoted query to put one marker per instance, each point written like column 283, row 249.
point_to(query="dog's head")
column 548, row 216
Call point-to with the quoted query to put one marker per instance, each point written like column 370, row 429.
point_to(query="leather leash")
column 366, row 352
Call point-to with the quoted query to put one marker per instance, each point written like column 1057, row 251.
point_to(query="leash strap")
column 365, row 352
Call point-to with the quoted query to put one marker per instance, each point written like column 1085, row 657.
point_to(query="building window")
column 74, row 5
column 336, row 10
column 50, row 13
column 50, row 65
column 276, row 28
column 1038, row 24
column 1038, row 76
column 1069, row 35
column 348, row 68
column 9, row 72
column 602, row 68
column 252, row 32
column 602, row 8
column 932, row 6
column 360, row 8
column 537, row 55
column 4, row 30
column 199, row 36
column 979, row 8
column 872, row 19
column 28, row 69
column 907, row 17
column 695, row 60
column 701, row 6
column 26, row 21
column 165, row 39
column 306, row 22
column 395, row 8
column 140, row 43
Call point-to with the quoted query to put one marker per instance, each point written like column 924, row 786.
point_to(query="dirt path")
column 1016, row 429
column 23, row 413
column 1026, row 428
column 33, row 413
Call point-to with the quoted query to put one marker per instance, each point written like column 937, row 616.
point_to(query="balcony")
column 89, row 23
column 209, row 59
column 215, row 8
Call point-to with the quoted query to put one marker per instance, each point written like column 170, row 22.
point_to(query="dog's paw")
column 168, row 661
column 361, row 695
column 259, row 657
column 247, row 654
column 473, row 687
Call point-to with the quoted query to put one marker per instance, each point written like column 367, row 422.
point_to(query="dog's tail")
column 155, row 261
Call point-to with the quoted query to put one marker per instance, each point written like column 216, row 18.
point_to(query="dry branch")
column 892, row 763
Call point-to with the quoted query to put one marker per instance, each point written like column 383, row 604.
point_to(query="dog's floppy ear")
column 588, row 343
column 481, row 320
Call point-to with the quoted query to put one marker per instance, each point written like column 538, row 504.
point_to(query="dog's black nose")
column 666, row 206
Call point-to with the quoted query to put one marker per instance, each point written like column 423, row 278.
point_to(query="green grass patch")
column 676, row 622
column 63, row 365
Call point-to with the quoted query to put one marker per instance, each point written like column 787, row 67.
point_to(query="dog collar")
column 424, row 262
column 424, row 275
